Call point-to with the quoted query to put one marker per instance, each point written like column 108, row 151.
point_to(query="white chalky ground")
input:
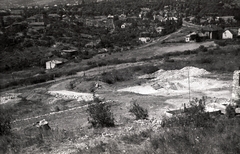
column 72, row 95
column 175, row 82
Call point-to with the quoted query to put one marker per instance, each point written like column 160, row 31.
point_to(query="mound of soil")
column 176, row 82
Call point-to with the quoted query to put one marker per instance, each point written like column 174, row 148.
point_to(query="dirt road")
column 152, row 49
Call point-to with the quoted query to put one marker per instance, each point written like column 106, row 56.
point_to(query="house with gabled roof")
column 35, row 18
column 17, row 11
column 230, row 33
column 213, row 31
column 55, row 62
column 37, row 25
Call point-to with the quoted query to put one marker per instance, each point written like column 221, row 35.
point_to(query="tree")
column 100, row 114
column 5, row 122
column 139, row 111
column 230, row 111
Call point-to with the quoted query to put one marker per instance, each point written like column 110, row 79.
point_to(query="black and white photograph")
column 119, row 76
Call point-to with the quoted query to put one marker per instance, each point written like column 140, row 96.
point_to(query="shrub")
column 221, row 42
column 230, row 111
column 5, row 122
column 187, row 52
column 139, row 111
column 202, row 48
column 191, row 116
column 116, row 75
column 100, row 114
column 137, row 138
column 149, row 69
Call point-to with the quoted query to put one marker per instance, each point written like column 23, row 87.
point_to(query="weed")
column 149, row 69
column 100, row 114
column 230, row 111
column 5, row 122
column 116, row 76
column 139, row 111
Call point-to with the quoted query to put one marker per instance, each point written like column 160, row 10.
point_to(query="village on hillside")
column 120, row 76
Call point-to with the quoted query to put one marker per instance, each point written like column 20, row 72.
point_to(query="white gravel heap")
column 176, row 82
column 72, row 95
column 177, row 74
column 8, row 96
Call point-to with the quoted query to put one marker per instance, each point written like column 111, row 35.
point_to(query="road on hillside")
column 151, row 51
column 188, row 24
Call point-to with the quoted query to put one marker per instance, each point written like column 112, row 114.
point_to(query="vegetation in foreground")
column 193, row 131
column 100, row 114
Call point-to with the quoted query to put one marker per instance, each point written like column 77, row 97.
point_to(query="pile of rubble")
column 64, row 94
column 8, row 96
column 177, row 82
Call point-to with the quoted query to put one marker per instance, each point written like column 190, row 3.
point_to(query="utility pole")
column 189, row 88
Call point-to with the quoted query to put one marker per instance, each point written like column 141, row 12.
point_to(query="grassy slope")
column 221, row 137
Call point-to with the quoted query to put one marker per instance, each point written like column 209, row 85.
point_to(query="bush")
column 116, row 75
column 149, row 69
column 139, row 111
column 100, row 114
column 230, row 111
column 221, row 42
column 138, row 137
column 202, row 48
column 192, row 116
column 5, row 122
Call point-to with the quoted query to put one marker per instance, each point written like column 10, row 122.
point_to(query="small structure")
column 17, row 11
column 230, row 33
column 37, row 25
column 191, row 37
column 54, row 17
column 44, row 128
column 144, row 39
column 159, row 29
column 213, row 32
column 125, row 25
column 160, row 18
column 93, row 43
column 53, row 63
column 42, row 124
column 35, row 18
column 122, row 17
column 68, row 52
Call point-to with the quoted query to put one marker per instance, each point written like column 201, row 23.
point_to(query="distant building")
column 159, row 18
column 159, row 29
column 17, row 12
column 68, row 52
column 93, row 43
column 144, row 39
column 122, row 17
column 227, row 19
column 55, row 62
column 125, row 25
column 191, row 37
column 213, row 32
column 54, row 17
column 35, row 18
column 11, row 19
column 230, row 33
column 37, row 25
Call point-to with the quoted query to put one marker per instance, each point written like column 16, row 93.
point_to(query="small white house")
column 191, row 37
column 53, row 63
column 227, row 34
column 159, row 29
column 144, row 39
